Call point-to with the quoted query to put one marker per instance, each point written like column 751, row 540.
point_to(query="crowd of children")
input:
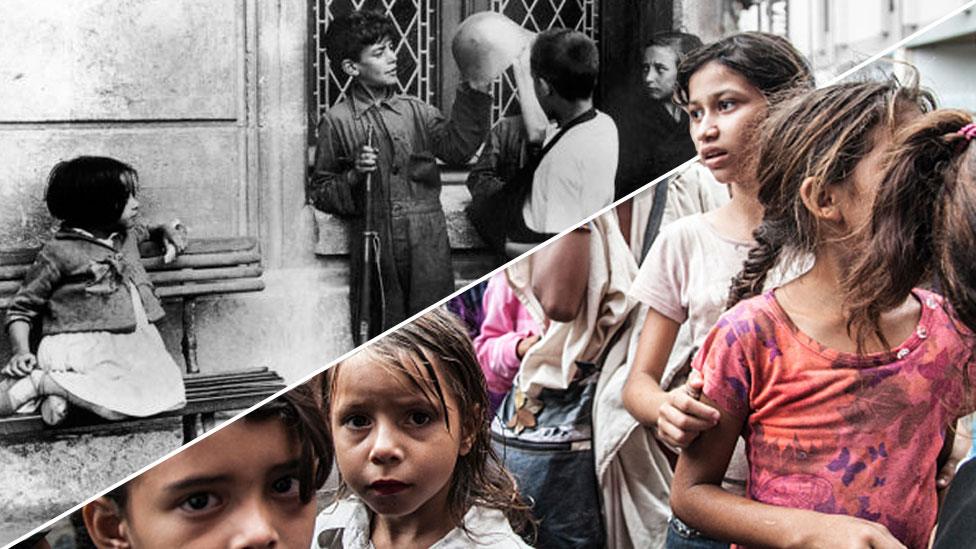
column 786, row 369
column 814, row 396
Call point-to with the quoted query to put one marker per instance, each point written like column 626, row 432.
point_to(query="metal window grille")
column 415, row 44
column 539, row 15
column 773, row 16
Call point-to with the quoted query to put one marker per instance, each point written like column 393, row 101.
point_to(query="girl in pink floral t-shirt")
column 842, row 435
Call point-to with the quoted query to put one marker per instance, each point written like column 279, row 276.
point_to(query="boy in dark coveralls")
column 414, row 256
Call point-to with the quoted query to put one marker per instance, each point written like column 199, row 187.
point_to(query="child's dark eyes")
column 285, row 486
column 420, row 418
column 199, row 502
column 726, row 104
column 356, row 421
column 382, row 49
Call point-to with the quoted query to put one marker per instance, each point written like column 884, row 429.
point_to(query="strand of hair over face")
column 820, row 135
column 438, row 340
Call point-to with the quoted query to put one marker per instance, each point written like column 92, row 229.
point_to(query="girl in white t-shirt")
column 726, row 88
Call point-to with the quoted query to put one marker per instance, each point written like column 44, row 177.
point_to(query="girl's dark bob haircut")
column 90, row 191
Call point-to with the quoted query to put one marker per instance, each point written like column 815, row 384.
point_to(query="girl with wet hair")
column 409, row 419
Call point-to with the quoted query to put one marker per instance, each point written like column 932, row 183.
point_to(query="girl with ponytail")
column 923, row 224
column 842, row 433
column 923, row 230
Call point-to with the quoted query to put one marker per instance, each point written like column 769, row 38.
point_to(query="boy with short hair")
column 414, row 256
column 575, row 176
column 654, row 134
column 250, row 484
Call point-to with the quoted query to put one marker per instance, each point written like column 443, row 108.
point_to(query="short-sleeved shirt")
column 686, row 277
column 839, row 432
column 575, row 178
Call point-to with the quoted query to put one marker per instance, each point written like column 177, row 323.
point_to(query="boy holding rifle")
column 410, row 260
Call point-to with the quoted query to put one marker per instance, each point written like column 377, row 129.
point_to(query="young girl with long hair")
column 408, row 416
column 923, row 228
column 726, row 87
column 842, row 435
column 95, row 303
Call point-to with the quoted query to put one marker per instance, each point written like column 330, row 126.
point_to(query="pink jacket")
column 506, row 323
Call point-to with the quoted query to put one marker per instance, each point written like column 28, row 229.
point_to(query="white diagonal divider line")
column 663, row 178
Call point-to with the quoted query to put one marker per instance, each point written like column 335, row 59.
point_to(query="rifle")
column 370, row 259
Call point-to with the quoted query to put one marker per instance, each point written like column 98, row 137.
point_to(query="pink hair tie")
column 968, row 131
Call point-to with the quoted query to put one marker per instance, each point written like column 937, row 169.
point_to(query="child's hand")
column 20, row 365
column 535, row 119
column 525, row 344
column 947, row 473
column 366, row 159
column 174, row 239
column 682, row 417
column 845, row 532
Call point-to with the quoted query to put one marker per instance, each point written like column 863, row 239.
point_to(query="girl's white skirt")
column 115, row 375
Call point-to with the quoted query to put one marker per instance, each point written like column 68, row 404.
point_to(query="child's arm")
column 456, row 140
column 22, row 361
column 560, row 274
column 533, row 116
column 698, row 499
column 958, row 440
column 335, row 176
column 26, row 305
column 500, row 346
column 676, row 415
column 172, row 235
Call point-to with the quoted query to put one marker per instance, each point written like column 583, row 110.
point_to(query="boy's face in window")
column 377, row 65
column 236, row 489
column 660, row 69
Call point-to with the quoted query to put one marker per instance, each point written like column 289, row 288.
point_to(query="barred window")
column 415, row 44
column 539, row 15
column 418, row 45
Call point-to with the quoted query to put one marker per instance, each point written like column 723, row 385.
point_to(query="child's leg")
column 14, row 393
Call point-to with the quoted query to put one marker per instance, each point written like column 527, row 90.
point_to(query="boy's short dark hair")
column 90, row 191
column 682, row 43
column 568, row 60
column 349, row 34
